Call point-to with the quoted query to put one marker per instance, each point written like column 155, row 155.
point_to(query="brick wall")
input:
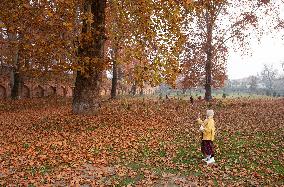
column 33, row 88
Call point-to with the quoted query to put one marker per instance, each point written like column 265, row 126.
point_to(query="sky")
column 269, row 51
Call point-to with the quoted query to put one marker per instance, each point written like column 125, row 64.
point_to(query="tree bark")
column 114, row 80
column 16, row 76
column 208, row 65
column 86, row 96
column 208, row 71
column 133, row 89
column 87, row 93
column 115, row 77
column 16, row 85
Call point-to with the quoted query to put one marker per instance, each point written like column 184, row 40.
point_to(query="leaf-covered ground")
column 140, row 143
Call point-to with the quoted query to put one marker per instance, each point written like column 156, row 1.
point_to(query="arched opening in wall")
column 38, row 92
column 25, row 92
column 51, row 91
column 2, row 92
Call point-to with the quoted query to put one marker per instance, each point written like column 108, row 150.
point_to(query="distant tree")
column 214, row 26
column 268, row 76
column 252, row 82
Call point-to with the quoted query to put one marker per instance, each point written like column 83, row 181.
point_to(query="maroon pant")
column 207, row 147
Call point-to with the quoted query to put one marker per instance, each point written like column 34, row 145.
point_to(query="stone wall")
column 33, row 88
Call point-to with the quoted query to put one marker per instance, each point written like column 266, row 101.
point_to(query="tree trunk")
column 133, row 89
column 208, row 65
column 87, row 92
column 88, row 82
column 16, row 86
column 16, row 76
column 115, row 77
column 114, row 80
column 141, row 91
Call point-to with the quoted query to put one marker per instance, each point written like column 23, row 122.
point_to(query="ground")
column 140, row 142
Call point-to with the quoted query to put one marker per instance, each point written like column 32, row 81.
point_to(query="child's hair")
column 210, row 113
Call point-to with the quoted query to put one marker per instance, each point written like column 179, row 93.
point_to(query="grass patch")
column 278, row 167
column 26, row 145
column 94, row 150
column 126, row 181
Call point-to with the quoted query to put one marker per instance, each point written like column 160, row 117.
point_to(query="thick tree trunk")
column 114, row 80
column 87, row 93
column 16, row 85
column 16, row 76
column 88, row 83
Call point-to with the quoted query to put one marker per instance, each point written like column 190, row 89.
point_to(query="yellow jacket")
column 209, row 128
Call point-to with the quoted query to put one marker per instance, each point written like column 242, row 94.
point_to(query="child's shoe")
column 206, row 159
column 211, row 160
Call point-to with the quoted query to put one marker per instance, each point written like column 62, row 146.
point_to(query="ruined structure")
column 126, row 89
column 39, row 87
column 34, row 87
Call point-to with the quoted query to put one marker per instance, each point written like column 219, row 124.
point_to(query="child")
column 208, row 132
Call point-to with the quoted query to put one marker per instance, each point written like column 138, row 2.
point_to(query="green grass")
column 278, row 167
column 94, row 150
column 26, row 145
column 237, row 152
column 126, row 181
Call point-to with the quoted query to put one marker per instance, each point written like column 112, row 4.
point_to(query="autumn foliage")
column 153, row 42
column 140, row 142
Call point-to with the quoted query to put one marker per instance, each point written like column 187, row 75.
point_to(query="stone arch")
column 39, row 92
column 2, row 92
column 51, row 91
column 25, row 92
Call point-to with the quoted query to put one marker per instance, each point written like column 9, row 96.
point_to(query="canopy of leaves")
column 156, row 40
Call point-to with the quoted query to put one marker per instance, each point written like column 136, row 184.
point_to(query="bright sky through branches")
column 269, row 51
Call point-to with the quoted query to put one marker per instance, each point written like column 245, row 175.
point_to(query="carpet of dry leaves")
column 140, row 142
